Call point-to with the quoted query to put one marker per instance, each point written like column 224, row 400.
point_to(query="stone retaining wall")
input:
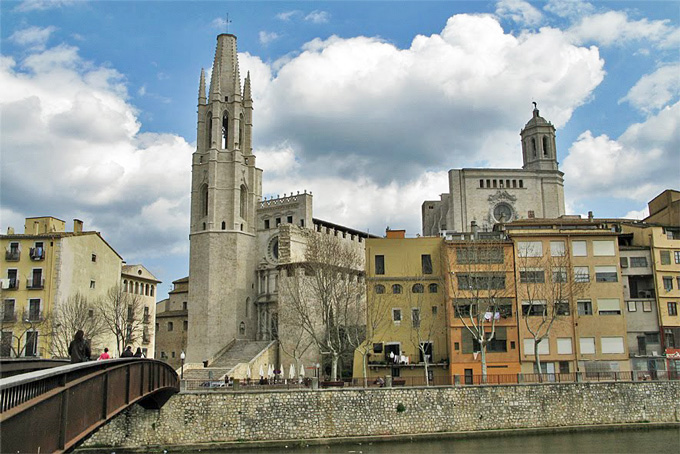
column 209, row 417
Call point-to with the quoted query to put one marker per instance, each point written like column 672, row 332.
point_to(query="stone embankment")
column 201, row 418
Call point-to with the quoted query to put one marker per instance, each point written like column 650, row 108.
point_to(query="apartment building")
column 572, row 264
column 172, row 323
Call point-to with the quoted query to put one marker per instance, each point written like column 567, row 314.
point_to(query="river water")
column 650, row 441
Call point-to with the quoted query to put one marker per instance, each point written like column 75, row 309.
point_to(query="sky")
column 366, row 104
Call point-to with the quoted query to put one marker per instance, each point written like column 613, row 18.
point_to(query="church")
column 486, row 196
column 240, row 242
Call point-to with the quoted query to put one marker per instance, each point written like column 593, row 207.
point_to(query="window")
column 31, row 344
column 532, row 308
column 584, row 307
column 557, row 249
column 604, row 248
column 612, row 345
column 652, row 338
column 608, row 306
column 289, row 219
column 379, row 289
column 562, row 307
column 606, row 274
column 170, row 326
column 676, row 254
column 632, row 306
column 623, row 261
column 379, row 264
column 668, row 283
column 587, row 345
column 646, row 306
column 530, row 249
column 434, row 311
column 8, row 311
column 669, row 335
column 92, row 284
column 665, row 257
column 204, row 200
column 433, row 288
column 396, row 315
column 581, row 274
column 499, row 343
column 638, row 262
column 94, row 257
column 543, row 347
column 531, row 276
column 481, row 281
column 396, row 288
column 34, row 309
column 184, row 305
column 185, row 325
column 678, row 279
column 564, row 346
column 559, row 275
column 467, row 255
column 426, row 262
column 578, row 249
column 266, row 223
column 672, row 308
column 418, row 288
column 415, row 317
column 278, row 222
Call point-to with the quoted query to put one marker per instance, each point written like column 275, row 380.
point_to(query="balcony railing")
column 37, row 253
column 10, row 284
column 9, row 317
column 33, row 316
column 35, row 284
column 12, row 255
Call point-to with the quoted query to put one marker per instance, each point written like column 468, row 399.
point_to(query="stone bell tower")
column 539, row 151
column 226, row 188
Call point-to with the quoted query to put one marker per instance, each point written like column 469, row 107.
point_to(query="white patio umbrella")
column 261, row 371
column 291, row 372
column 302, row 370
column 270, row 371
column 248, row 372
column 281, row 370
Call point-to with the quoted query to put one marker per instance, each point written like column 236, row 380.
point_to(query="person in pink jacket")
column 104, row 355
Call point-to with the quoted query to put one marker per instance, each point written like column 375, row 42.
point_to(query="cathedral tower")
column 226, row 188
column 538, row 144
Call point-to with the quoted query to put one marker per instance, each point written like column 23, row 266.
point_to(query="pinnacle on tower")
column 226, row 81
column 201, row 88
column 247, row 96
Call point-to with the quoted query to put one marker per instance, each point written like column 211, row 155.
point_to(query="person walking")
column 104, row 355
column 138, row 353
column 127, row 353
column 79, row 348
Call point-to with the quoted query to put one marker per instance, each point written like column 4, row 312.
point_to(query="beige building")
column 172, row 323
column 589, row 334
column 664, row 209
column 406, row 306
column 45, row 266
column 139, row 281
column 488, row 196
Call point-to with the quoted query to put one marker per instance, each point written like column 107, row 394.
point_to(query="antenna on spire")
column 535, row 106
column 227, row 23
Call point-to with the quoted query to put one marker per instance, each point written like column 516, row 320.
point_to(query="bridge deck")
column 53, row 410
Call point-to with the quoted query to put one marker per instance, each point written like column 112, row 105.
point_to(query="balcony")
column 35, row 284
column 12, row 255
column 37, row 254
column 9, row 284
column 9, row 317
column 33, row 316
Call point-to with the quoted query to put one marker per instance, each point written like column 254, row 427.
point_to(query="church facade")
column 487, row 196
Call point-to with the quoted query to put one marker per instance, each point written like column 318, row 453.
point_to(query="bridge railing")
column 52, row 410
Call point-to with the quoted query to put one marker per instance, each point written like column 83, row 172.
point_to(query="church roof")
column 536, row 120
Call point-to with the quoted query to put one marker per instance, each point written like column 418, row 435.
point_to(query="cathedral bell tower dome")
column 539, row 151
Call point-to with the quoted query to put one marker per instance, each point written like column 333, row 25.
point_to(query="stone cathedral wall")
column 220, row 417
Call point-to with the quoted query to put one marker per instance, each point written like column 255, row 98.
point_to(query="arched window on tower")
column 545, row 146
column 225, row 130
column 244, row 194
column 241, row 124
column 208, row 131
column 533, row 146
column 204, row 200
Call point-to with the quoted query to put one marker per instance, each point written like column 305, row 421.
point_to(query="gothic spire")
column 201, row 88
column 247, row 96
column 226, row 81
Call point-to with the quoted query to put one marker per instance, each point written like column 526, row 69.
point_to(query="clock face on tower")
column 503, row 212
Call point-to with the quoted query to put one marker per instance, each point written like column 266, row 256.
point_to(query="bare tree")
column 325, row 296
column 75, row 313
column 377, row 312
column 296, row 342
column 122, row 315
column 481, row 285
column 547, row 289
column 20, row 329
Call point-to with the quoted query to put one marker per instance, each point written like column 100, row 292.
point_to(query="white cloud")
column 318, row 17
column 33, row 37
column 637, row 166
column 615, row 28
column 41, row 5
column 637, row 214
column 572, row 9
column 219, row 23
column 288, row 15
column 656, row 90
column 72, row 148
column 362, row 107
column 519, row 11
column 268, row 37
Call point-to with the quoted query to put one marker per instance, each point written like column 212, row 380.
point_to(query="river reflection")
column 652, row 441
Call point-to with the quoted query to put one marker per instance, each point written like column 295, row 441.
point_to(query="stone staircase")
column 242, row 351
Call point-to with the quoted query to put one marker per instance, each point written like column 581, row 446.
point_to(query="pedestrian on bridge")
column 79, row 348
column 104, row 355
column 138, row 353
column 127, row 353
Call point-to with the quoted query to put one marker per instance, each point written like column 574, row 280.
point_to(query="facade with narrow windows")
column 489, row 196
column 172, row 324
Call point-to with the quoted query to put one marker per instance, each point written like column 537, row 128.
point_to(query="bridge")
column 53, row 410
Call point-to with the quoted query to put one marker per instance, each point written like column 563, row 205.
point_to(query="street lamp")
column 182, row 356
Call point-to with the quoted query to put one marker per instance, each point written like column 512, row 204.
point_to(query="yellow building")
column 582, row 256
column 172, row 323
column 664, row 245
column 482, row 302
column 406, row 312
column 41, row 269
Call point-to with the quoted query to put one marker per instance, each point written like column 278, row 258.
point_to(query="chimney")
column 10, row 230
column 590, row 216
column 77, row 226
column 398, row 234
